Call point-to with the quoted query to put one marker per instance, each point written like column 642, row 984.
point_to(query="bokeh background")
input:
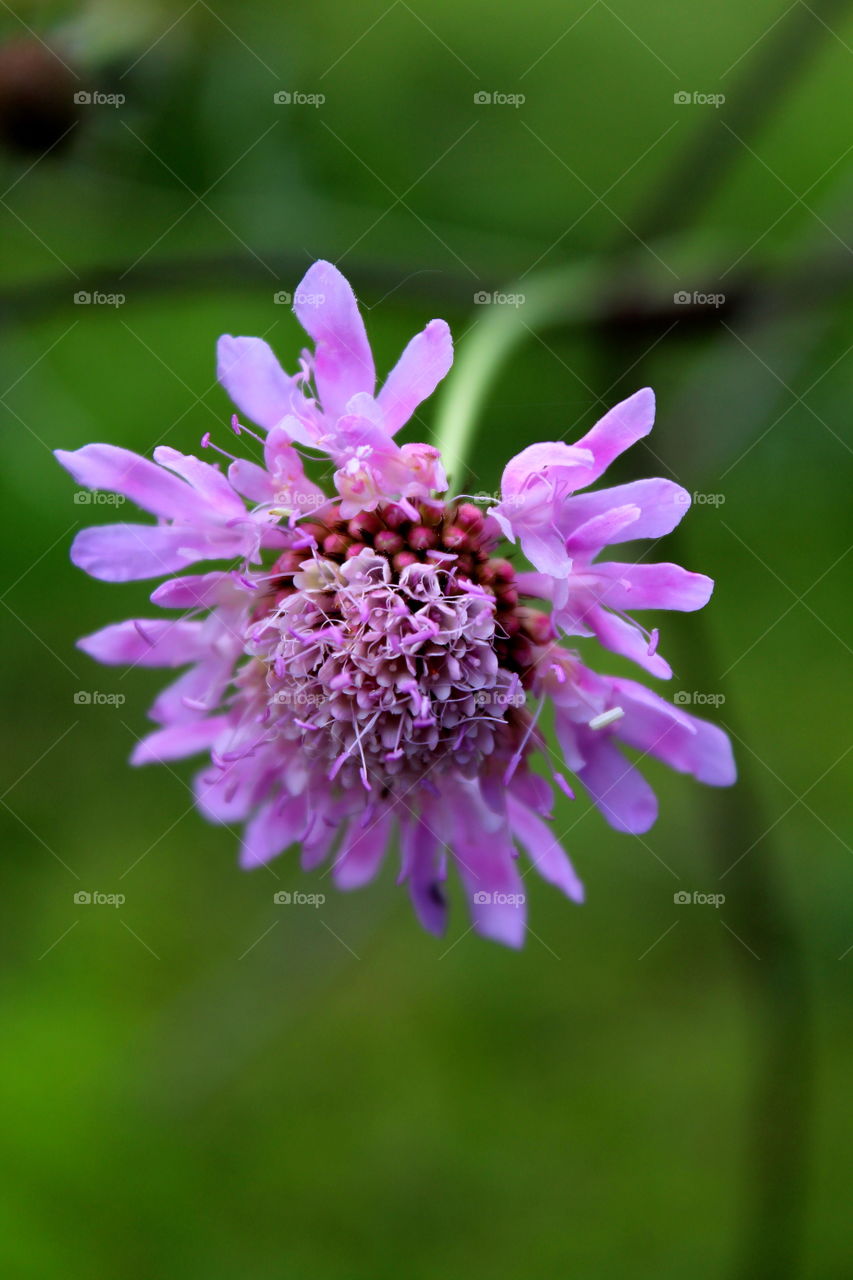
column 200, row 1083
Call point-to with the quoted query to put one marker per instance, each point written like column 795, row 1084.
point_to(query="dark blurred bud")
column 37, row 104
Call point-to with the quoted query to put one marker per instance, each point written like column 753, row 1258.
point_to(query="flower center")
column 397, row 646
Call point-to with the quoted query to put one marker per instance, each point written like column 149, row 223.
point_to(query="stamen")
column 607, row 717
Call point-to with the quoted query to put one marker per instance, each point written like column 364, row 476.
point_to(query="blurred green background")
column 201, row 1084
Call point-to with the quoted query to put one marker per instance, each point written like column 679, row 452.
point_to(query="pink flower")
column 344, row 419
column 363, row 669
column 562, row 532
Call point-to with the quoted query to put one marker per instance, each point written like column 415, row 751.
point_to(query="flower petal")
column 600, row 530
column 362, row 852
column 326, row 307
column 621, row 426
column 178, row 741
column 651, row 586
column 662, row 505
column 423, row 364
column 125, row 552
column 106, row 467
column 615, row 786
column 206, row 480
column 487, row 866
column 197, row 591
column 618, row 636
column 253, row 378
column 272, row 830
column 547, row 854
column 682, row 741
column 566, row 465
column 251, row 480
column 146, row 642
column 422, row 869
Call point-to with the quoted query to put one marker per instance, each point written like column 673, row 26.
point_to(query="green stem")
column 569, row 293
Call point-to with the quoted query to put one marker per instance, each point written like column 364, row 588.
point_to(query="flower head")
column 365, row 668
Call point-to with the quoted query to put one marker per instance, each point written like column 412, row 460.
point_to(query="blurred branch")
column 785, row 53
column 623, row 300
column 626, row 293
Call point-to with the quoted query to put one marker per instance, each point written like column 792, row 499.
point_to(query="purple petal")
column 615, row 786
column 251, row 480
column 197, row 690
column 425, row 875
column 662, row 504
column 546, row 551
column 423, row 364
column 487, row 866
column 682, row 741
column 600, row 530
column 651, row 586
column 565, row 464
column 363, row 850
column 125, row 552
column 621, row 637
column 227, row 795
column 620, row 427
column 205, row 478
column 178, row 741
column 146, row 642
column 106, row 467
column 253, row 378
column 317, row 844
column 326, row 307
column 196, row 591
column 547, row 854
column 271, row 831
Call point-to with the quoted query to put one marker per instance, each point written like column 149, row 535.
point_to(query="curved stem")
column 568, row 293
